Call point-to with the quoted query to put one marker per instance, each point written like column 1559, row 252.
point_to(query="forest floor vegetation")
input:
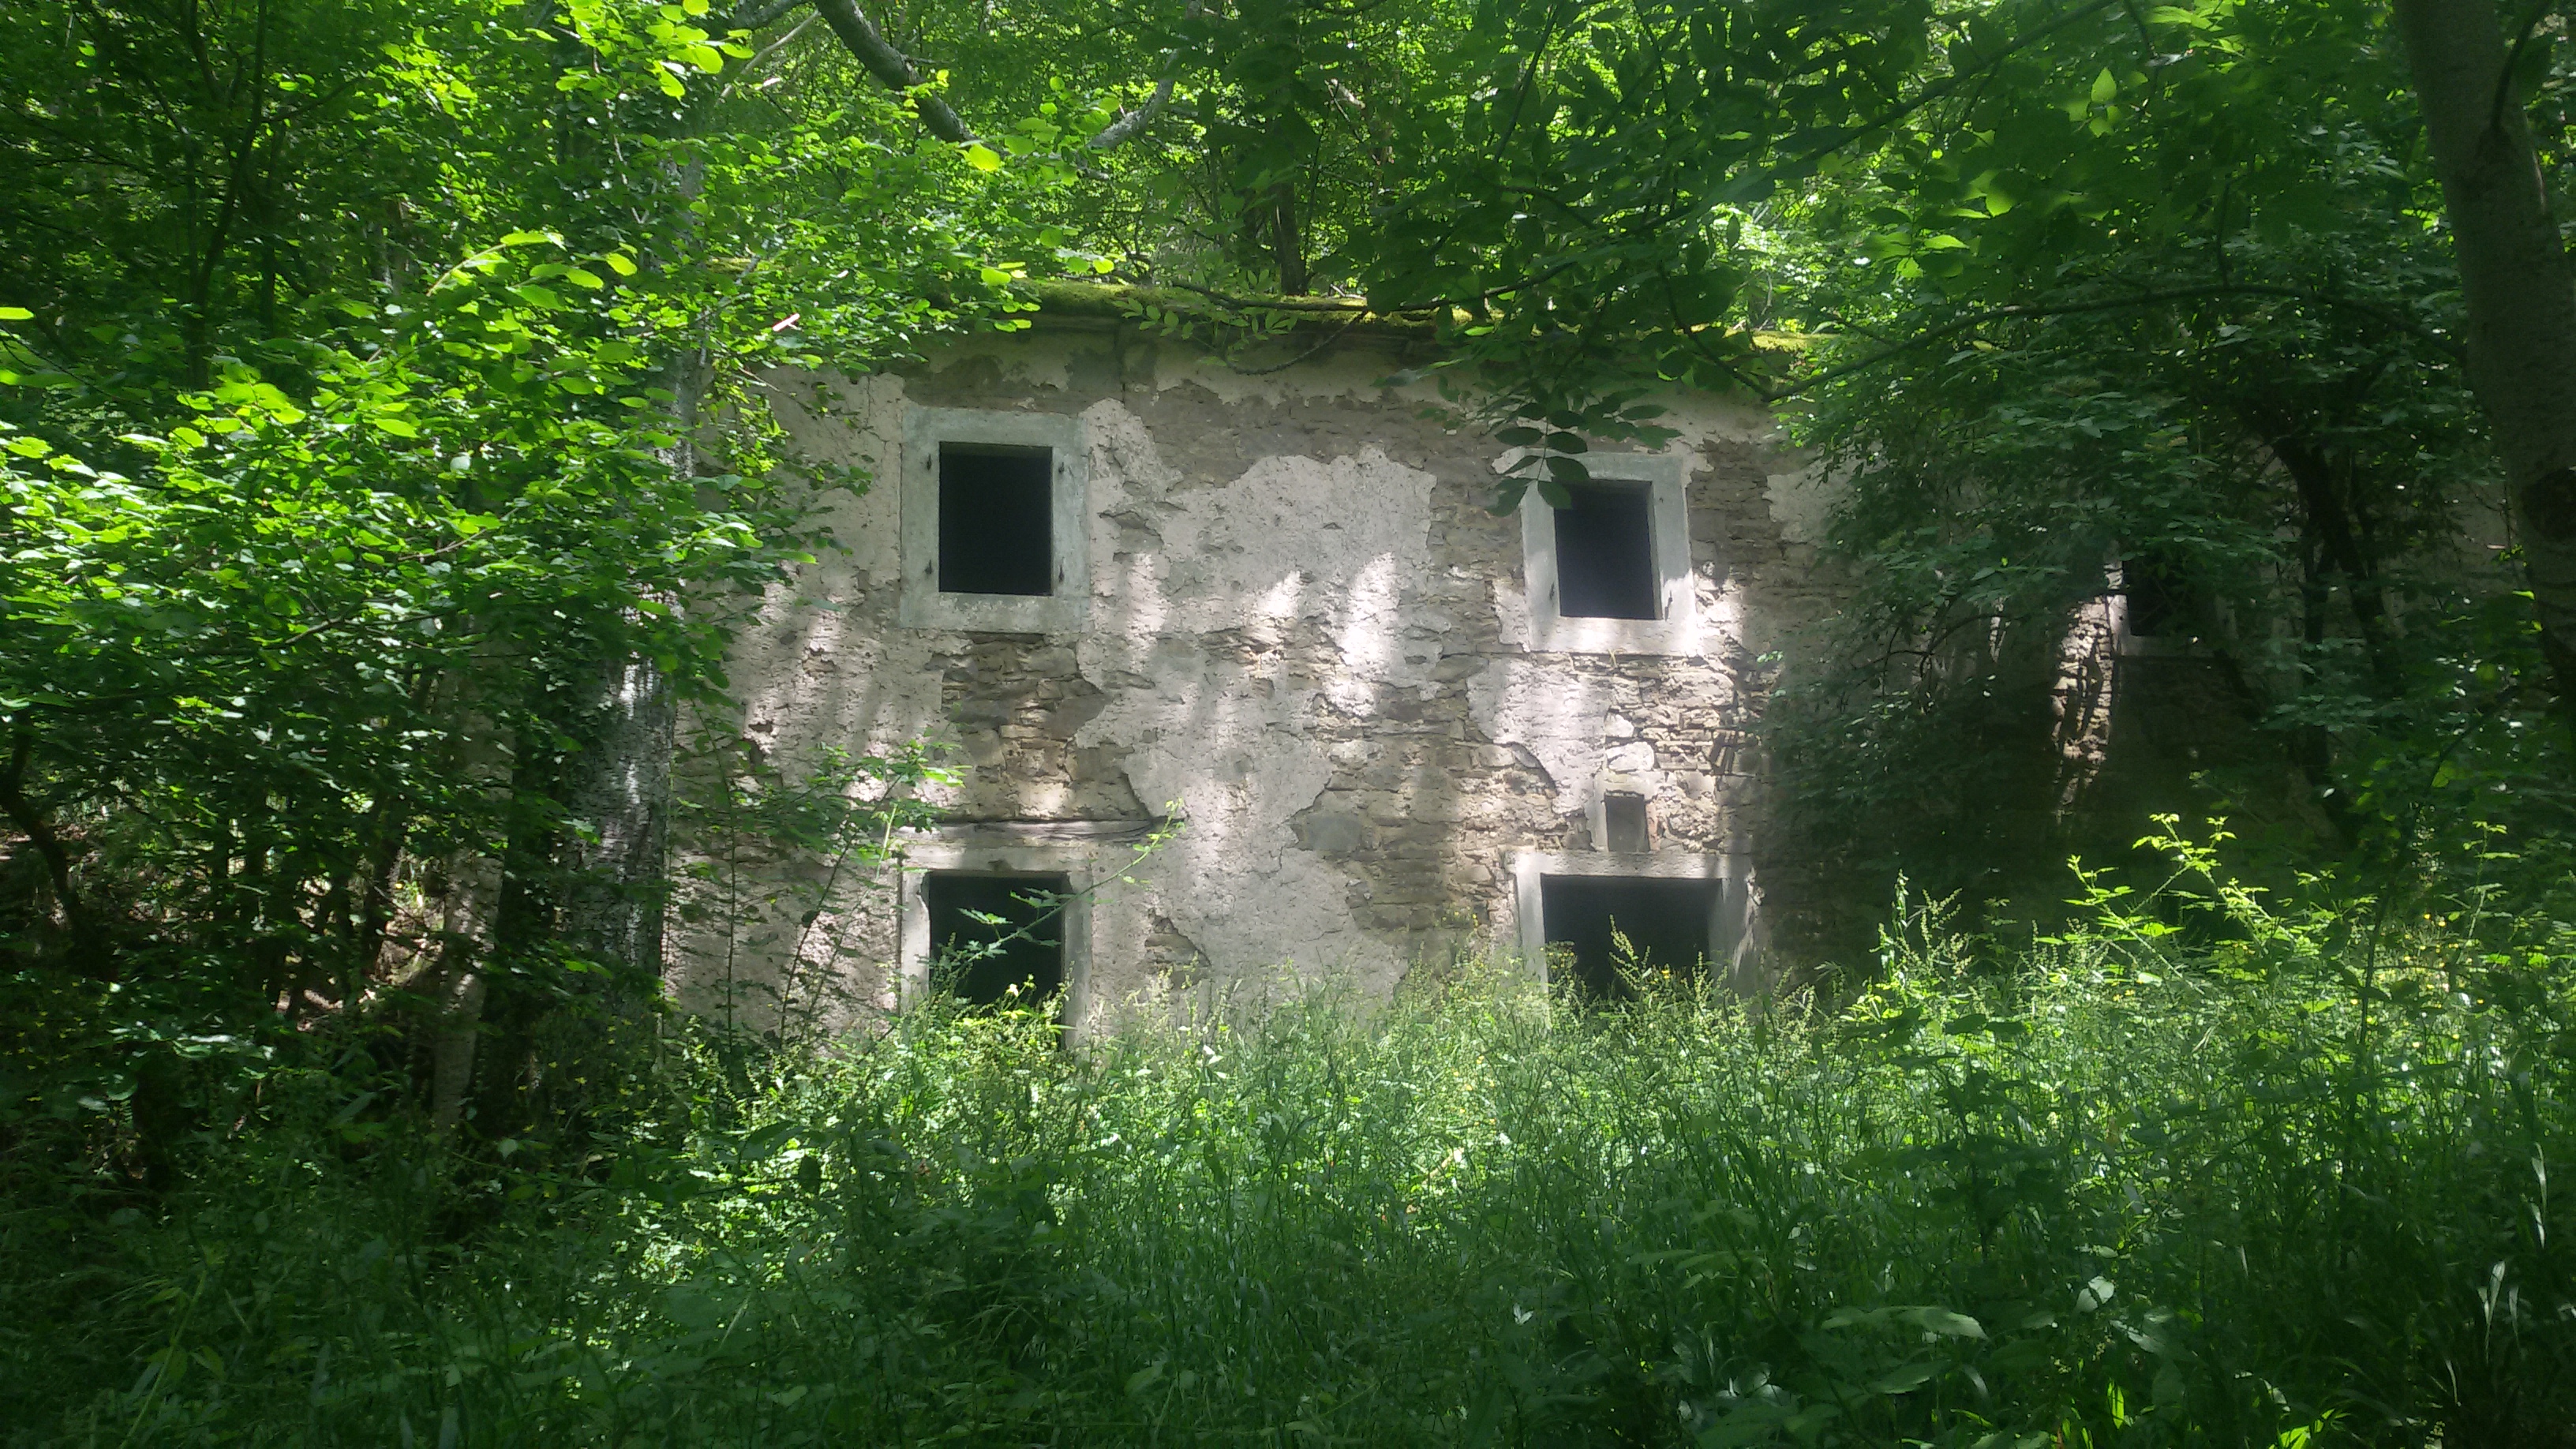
column 2251, row 1178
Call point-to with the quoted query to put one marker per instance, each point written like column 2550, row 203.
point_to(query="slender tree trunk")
column 1288, row 241
column 2520, row 292
column 2332, row 527
column 457, row 985
column 88, row 949
column 618, row 792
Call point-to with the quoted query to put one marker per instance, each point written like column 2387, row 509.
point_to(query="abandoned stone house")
column 1132, row 585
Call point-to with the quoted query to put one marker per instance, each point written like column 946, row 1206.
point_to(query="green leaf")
column 2105, row 88
column 983, row 157
column 15, row 314
column 1945, row 1322
column 1998, row 190
column 1905, row 1380
column 619, row 262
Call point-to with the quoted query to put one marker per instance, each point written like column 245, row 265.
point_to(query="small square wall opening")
column 1667, row 922
column 2155, row 597
column 1605, row 553
column 1026, row 942
column 1623, row 823
column 996, row 519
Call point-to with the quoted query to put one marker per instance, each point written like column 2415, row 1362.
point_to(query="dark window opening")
column 1024, row 948
column 996, row 519
column 2155, row 597
column 1623, row 819
column 1666, row 923
column 1605, row 554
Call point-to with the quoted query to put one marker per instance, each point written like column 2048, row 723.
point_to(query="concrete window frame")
column 1675, row 629
column 1730, row 924
column 924, row 858
column 1065, row 610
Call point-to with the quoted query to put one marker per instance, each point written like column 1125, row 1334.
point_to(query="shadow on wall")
column 2032, row 746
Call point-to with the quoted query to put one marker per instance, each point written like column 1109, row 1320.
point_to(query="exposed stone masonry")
column 1306, row 638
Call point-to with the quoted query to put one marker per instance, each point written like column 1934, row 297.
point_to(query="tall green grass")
column 2290, row 1185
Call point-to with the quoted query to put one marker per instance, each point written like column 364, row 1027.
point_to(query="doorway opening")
column 996, row 932
column 1666, row 922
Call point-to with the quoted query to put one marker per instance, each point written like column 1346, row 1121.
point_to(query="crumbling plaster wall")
column 1306, row 639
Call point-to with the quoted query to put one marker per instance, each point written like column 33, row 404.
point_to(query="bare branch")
column 1127, row 127
column 1133, row 123
column 892, row 67
column 1336, row 335
column 752, row 66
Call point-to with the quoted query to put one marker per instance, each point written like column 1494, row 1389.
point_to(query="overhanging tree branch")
column 2028, row 311
column 754, row 14
column 892, row 67
column 1943, row 88
column 1131, row 125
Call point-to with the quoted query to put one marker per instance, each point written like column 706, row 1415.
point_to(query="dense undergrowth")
column 2259, row 1180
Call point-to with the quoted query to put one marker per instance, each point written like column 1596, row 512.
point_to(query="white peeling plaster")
column 1229, row 575
column 825, row 670
column 1803, row 502
column 1531, row 702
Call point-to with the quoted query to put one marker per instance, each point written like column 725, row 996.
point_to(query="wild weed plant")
column 2203, row 1172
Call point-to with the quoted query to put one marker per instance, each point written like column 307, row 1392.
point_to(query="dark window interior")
column 1605, row 554
column 2155, row 597
column 996, row 519
column 1034, row 961
column 1666, row 921
column 1623, row 817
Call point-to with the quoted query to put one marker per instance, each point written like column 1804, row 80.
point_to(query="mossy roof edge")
column 1093, row 303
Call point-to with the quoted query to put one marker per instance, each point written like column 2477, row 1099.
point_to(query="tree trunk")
column 617, row 803
column 2328, row 503
column 457, row 985
column 1288, row 241
column 617, row 794
column 2519, row 290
